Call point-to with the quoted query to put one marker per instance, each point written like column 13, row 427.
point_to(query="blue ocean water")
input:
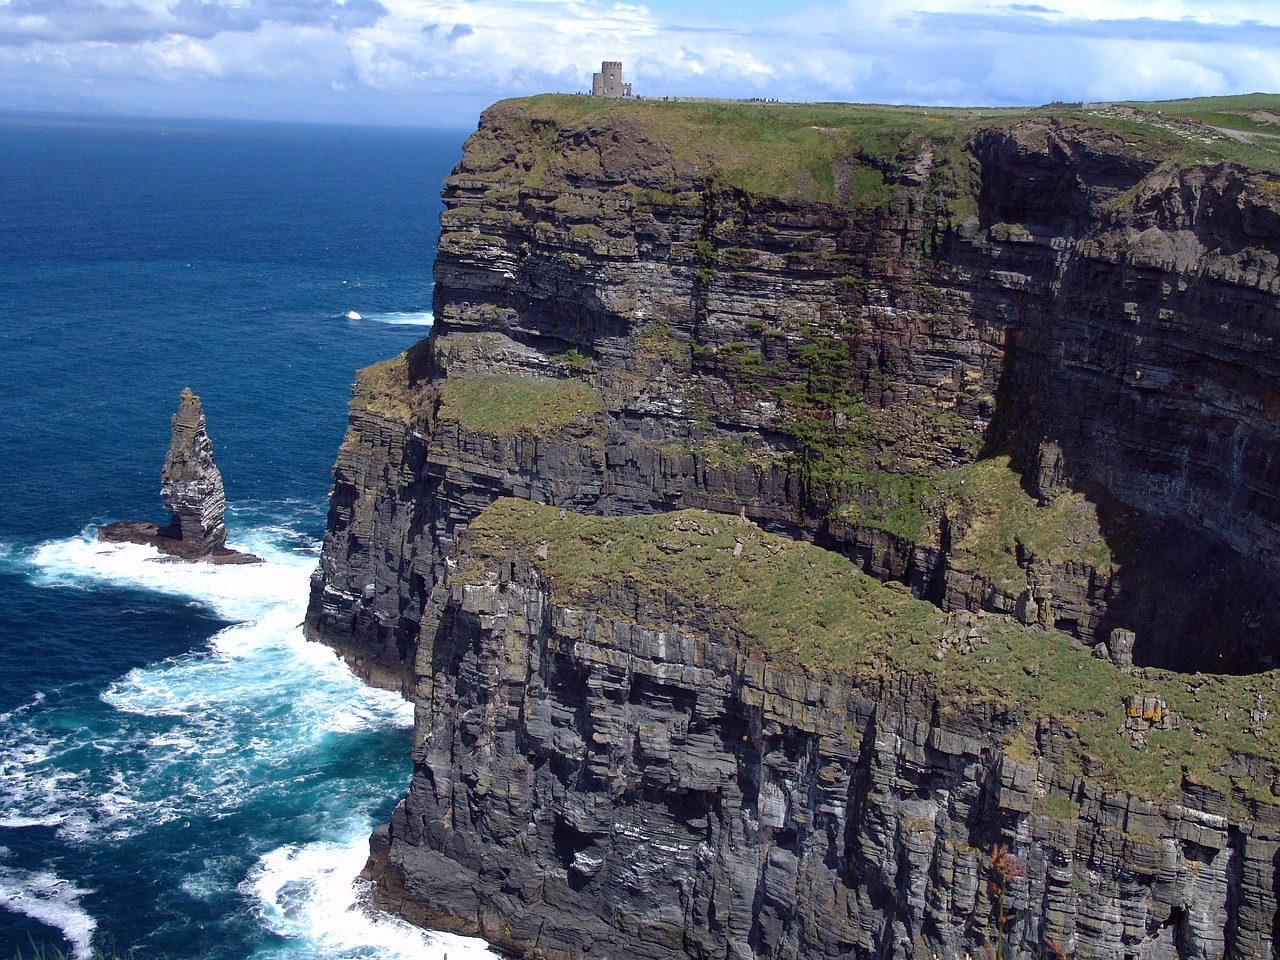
column 181, row 773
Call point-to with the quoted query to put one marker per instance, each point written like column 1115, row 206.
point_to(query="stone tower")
column 608, row 82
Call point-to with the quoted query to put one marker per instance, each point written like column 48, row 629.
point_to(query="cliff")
column 684, row 736
column 1021, row 365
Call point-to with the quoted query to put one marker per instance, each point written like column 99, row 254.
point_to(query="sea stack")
column 190, row 483
column 191, row 488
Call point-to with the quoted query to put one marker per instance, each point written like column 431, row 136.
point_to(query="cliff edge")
column 1019, row 367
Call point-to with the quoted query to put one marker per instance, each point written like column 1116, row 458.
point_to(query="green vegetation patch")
column 1242, row 129
column 830, row 153
column 847, row 155
column 902, row 504
column 998, row 519
column 811, row 610
column 395, row 388
column 508, row 405
column 810, row 607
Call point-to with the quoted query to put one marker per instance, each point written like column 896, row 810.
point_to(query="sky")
column 440, row 62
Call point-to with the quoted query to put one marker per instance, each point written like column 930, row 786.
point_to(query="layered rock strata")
column 1050, row 290
column 191, row 488
column 634, row 776
column 1023, row 369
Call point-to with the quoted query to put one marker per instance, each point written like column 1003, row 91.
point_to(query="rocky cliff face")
column 1024, row 368
column 630, row 778
column 190, row 483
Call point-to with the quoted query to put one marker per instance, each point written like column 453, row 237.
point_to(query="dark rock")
column 191, row 488
column 1124, row 356
column 586, row 784
column 599, row 779
column 190, row 484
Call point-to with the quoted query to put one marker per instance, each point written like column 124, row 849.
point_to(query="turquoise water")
column 181, row 773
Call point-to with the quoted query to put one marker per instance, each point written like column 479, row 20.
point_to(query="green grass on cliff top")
column 795, row 150
column 394, row 388
column 784, row 150
column 810, row 610
column 1244, row 129
column 503, row 406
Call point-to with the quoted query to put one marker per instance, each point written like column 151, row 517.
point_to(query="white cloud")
column 183, row 55
column 384, row 59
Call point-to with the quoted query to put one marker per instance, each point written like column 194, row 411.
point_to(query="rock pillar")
column 190, row 483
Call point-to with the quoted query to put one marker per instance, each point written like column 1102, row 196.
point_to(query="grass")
column 812, row 611
column 1000, row 520
column 395, row 388
column 770, row 150
column 833, row 153
column 807, row 606
column 1253, row 118
column 508, row 405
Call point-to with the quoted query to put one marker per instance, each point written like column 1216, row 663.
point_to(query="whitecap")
column 241, row 712
column 308, row 894
column 33, row 789
column 224, row 727
column 233, row 591
column 49, row 899
column 411, row 318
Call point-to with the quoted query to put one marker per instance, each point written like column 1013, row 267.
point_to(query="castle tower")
column 608, row 82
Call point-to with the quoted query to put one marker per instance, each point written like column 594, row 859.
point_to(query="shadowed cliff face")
column 1025, row 368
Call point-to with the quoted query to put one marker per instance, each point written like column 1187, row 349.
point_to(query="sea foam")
column 412, row 318
column 308, row 893
column 249, row 721
column 49, row 899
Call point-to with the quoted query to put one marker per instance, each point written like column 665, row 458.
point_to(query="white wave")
column 242, row 721
column 33, row 784
column 308, row 894
column 242, row 713
column 49, row 899
column 233, row 591
column 412, row 318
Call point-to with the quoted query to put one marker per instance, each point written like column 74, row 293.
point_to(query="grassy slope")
column 505, row 406
column 1254, row 119
column 790, row 150
column 811, row 610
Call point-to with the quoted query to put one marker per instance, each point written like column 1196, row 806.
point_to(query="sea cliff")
column 1013, row 374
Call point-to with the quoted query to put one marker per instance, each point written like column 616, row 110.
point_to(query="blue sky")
column 439, row 62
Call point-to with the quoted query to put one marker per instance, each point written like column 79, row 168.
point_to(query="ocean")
column 182, row 775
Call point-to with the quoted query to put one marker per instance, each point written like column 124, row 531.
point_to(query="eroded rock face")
column 191, row 487
column 590, row 781
column 1110, row 323
column 190, row 484
column 609, row 782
